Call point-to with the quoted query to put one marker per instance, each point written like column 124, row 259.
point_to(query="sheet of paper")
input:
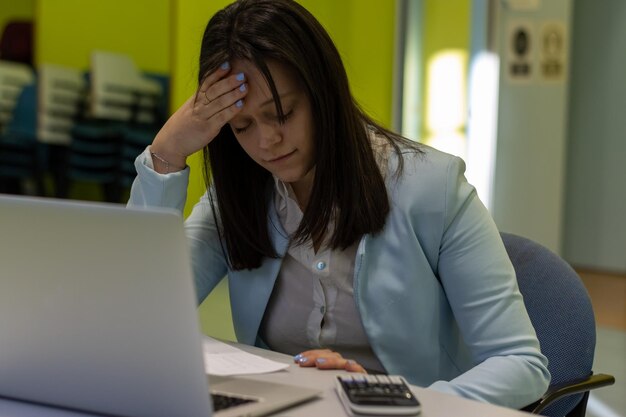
column 224, row 360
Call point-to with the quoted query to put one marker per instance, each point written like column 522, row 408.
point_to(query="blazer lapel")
column 250, row 290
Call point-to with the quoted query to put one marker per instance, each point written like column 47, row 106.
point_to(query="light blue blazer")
column 435, row 290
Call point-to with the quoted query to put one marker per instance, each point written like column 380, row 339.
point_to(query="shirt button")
column 320, row 266
column 322, row 309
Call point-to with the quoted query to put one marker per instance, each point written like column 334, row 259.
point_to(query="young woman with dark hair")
column 344, row 244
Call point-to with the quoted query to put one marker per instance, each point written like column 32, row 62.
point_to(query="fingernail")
column 225, row 66
column 320, row 360
column 350, row 362
column 297, row 357
column 242, row 88
column 303, row 360
column 240, row 76
column 239, row 103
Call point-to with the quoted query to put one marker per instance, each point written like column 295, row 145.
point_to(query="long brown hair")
column 348, row 186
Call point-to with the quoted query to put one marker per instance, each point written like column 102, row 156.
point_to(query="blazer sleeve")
column 480, row 284
column 151, row 189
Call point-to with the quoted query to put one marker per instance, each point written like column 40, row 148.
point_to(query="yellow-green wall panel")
column 369, row 56
column 446, row 26
column 16, row 10
column 68, row 30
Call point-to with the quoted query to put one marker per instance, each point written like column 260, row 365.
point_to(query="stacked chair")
column 62, row 93
column 13, row 77
column 86, row 128
column 123, row 115
column 95, row 125
column 21, row 156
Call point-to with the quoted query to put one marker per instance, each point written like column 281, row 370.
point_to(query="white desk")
column 434, row 404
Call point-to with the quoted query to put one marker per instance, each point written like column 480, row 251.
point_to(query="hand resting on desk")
column 327, row 359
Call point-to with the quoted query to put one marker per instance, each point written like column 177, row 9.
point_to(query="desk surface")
column 434, row 404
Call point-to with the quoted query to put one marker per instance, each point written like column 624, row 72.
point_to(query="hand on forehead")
column 260, row 93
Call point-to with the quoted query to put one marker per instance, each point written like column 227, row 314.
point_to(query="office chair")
column 16, row 42
column 80, row 149
column 21, row 156
column 119, row 91
column 560, row 310
column 62, row 95
column 121, row 121
column 13, row 77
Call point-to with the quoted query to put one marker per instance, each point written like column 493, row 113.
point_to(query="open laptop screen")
column 97, row 309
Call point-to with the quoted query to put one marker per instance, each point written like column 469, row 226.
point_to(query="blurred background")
column 530, row 93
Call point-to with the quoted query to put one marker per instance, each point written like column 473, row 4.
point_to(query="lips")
column 282, row 157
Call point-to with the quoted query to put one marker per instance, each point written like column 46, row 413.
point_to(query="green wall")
column 16, row 10
column 446, row 26
column 68, row 30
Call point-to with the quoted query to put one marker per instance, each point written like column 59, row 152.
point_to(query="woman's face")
column 286, row 150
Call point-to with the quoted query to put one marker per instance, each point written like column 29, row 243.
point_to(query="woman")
column 344, row 244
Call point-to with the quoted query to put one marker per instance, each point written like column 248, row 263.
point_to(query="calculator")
column 377, row 395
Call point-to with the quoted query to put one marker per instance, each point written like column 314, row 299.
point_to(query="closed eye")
column 280, row 120
column 285, row 117
column 240, row 130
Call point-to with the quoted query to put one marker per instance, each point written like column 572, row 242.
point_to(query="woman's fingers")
column 232, row 100
column 216, row 90
column 353, row 366
column 309, row 358
column 327, row 359
column 226, row 114
column 339, row 363
column 213, row 77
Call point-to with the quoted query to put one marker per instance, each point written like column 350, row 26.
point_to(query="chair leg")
column 11, row 186
column 112, row 192
column 58, row 162
column 40, row 186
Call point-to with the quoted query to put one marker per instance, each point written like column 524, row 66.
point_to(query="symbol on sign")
column 520, row 47
column 520, row 55
column 553, row 51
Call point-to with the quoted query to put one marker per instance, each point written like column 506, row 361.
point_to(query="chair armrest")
column 570, row 388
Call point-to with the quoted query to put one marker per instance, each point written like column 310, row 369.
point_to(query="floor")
column 608, row 296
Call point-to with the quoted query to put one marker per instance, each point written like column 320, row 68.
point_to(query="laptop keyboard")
column 222, row 402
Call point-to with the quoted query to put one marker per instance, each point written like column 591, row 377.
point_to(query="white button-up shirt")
column 312, row 304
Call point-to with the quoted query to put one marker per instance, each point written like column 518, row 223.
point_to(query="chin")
column 290, row 176
column 293, row 174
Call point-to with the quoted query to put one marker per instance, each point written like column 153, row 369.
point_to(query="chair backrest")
column 20, row 155
column 119, row 91
column 13, row 77
column 560, row 309
column 62, row 93
column 16, row 43
column 23, row 120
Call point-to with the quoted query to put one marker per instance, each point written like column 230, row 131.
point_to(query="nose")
column 269, row 135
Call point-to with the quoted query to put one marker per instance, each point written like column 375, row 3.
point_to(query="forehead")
column 284, row 78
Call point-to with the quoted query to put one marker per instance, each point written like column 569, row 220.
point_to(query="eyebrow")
column 270, row 101
column 280, row 96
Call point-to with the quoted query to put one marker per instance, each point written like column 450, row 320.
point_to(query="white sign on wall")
column 520, row 51
column 521, row 5
column 553, row 51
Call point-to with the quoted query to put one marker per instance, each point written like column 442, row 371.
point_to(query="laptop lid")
column 97, row 310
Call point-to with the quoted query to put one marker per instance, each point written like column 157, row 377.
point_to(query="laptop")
column 98, row 314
